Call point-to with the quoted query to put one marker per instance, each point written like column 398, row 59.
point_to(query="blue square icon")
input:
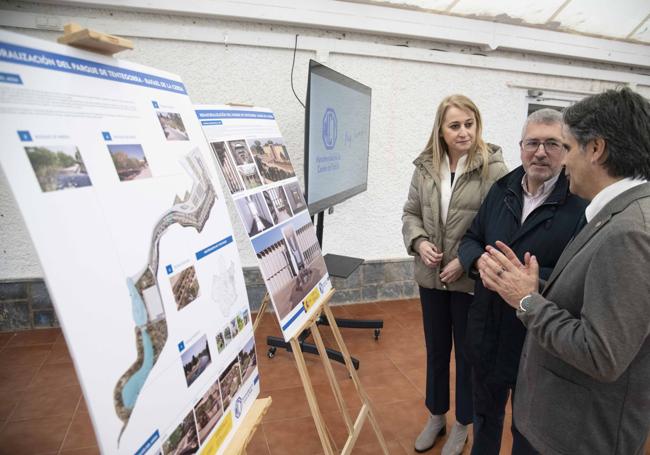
column 181, row 346
column 107, row 136
column 25, row 136
column 169, row 269
column 155, row 104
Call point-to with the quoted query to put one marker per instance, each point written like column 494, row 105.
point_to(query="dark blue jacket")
column 494, row 334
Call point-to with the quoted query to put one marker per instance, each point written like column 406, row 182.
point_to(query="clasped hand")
column 502, row 272
column 431, row 257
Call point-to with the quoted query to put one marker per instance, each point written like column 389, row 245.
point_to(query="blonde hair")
column 437, row 145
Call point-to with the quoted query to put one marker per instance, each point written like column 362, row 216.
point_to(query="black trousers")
column 490, row 402
column 444, row 315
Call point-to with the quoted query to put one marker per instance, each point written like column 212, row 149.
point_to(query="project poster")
column 119, row 191
column 255, row 164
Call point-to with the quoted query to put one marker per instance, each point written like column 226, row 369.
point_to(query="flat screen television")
column 337, row 135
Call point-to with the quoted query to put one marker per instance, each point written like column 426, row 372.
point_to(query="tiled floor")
column 42, row 410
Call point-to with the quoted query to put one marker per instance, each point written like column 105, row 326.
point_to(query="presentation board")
column 118, row 189
column 255, row 165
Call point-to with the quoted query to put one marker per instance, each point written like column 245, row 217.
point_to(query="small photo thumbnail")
column 230, row 381
column 183, row 439
column 58, row 167
column 196, row 359
column 185, row 287
column 130, row 161
column 172, row 125
column 208, row 411
column 248, row 359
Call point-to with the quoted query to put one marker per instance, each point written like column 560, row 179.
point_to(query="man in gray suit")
column 584, row 378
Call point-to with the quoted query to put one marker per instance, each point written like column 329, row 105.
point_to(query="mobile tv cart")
column 102, row 43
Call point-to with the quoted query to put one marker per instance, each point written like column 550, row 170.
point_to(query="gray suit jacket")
column 584, row 376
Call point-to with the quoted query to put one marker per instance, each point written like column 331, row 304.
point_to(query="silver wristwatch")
column 524, row 303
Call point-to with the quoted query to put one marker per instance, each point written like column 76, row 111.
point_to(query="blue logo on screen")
column 155, row 104
column 329, row 128
column 107, row 136
column 181, row 346
column 25, row 136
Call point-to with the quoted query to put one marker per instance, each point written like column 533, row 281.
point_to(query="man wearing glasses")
column 532, row 210
column 584, row 380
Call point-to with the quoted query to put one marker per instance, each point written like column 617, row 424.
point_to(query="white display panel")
column 255, row 165
column 118, row 190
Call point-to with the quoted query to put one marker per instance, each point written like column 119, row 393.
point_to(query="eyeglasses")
column 550, row 145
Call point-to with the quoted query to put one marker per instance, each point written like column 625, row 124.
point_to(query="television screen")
column 337, row 134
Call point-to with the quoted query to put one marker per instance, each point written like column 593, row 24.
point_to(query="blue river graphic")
column 135, row 383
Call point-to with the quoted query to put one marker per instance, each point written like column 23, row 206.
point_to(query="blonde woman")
column 452, row 176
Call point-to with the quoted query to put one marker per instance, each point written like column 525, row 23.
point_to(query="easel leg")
column 336, row 389
column 311, row 397
column 261, row 311
column 355, row 377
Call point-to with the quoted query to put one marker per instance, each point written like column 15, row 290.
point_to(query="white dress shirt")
column 532, row 201
column 608, row 193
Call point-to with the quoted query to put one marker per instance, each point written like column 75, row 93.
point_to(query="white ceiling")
column 626, row 20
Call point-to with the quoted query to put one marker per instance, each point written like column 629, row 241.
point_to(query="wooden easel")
column 102, row 43
column 322, row 308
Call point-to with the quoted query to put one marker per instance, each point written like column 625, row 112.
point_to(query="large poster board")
column 118, row 189
column 255, row 165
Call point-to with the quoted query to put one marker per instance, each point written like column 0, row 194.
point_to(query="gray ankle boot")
column 434, row 428
column 456, row 440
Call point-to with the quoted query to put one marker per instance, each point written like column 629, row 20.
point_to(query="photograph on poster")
column 272, row 159
column 278, row 204
column 245, row 316
column 240, row 152
column 234, row 328
column 58, row 167
column 221, row 342
column 290, row 261
column 196, row 359
column 227, row 335
column 240, row 322
column 247, row 359
column 227, row 166
column 183, row 439
column 208, row 411
column 245, row 163
column 185, row 287
column 230, row 381
column 172, row 125
column 254, row 214
column 130, row 161
column 296, row 199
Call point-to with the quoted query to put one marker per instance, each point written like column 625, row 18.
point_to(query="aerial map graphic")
column 191, row 210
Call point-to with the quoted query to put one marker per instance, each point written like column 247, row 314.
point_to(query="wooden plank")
column 355, row 378
column 261, row 311
column 248, row 427
column 311, row 397
column 102, row 43
column 358, row 425
column 334, row 384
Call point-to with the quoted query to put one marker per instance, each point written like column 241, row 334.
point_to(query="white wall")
column 406, row 90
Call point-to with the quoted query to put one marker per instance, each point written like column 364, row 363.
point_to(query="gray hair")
column 546, row 116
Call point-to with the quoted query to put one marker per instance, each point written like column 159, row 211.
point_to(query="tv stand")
column 341, row 266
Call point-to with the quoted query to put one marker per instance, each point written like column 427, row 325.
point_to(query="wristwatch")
column 524, row 303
